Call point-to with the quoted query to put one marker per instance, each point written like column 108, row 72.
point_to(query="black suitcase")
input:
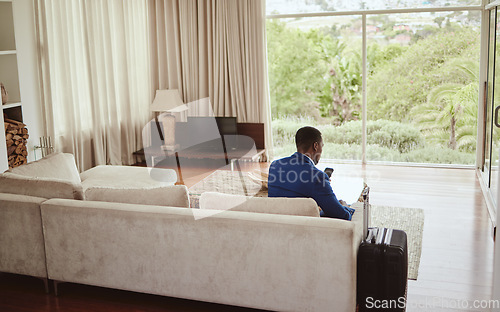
column 382, row 271
column 382, row 266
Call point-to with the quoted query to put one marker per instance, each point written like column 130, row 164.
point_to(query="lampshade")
column 168, row 101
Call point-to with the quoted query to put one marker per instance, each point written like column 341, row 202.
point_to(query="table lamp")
column 168, row 101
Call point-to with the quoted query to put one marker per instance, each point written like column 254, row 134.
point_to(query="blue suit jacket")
column 297, row 176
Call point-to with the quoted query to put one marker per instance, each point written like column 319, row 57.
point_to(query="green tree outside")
column 425, row 88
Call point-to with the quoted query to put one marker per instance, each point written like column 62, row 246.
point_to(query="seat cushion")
column 272, row 205
column 134, row 185
column 60, row 166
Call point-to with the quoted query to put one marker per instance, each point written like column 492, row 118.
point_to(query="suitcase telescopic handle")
column 365, row 192
column 366, row 211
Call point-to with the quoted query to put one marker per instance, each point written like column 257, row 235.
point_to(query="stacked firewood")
column 16, row 135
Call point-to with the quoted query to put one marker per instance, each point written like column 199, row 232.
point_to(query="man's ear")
column 315, row 146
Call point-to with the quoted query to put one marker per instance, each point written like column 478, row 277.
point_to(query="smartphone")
column 329, row 172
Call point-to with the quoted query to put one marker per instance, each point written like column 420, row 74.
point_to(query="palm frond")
column 442, row 91
column 468, row 68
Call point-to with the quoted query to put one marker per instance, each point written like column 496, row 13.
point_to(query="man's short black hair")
column 306, row 136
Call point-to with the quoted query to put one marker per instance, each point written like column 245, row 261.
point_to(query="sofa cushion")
column 134, row 185
column 127, row 176
column 274, row 205
column 54, row 176
column 172, row 196
column 40, row 187
column 60, row 166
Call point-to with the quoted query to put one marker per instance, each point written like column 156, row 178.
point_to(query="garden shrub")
column 387, row 141
column 386, row 133
column 392, row 134
column 439, row 155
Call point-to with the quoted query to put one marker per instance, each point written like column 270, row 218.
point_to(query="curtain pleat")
column 94, row 60
column 215, row 49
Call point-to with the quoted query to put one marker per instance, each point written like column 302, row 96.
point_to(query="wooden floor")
column 457, row 248
column 456, row 262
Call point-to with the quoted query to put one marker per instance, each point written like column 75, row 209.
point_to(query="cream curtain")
column 101, row 62
column 214, row 49
column 94, row 61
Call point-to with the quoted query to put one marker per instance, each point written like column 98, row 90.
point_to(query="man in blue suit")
column 297, row 176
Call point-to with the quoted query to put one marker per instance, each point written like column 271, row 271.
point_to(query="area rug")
column 410, row 220
column 240, row 183
column 227, row 182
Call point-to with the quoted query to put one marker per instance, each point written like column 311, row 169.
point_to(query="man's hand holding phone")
column 329, row 172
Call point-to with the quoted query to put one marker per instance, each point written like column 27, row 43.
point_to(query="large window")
column 422, row 83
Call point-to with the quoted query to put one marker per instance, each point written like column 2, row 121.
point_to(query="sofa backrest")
column 22, row 249
column 54, row 176
column 273, row 205
column 264, row 261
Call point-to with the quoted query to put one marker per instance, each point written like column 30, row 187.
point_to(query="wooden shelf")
column 8, row 52
column 11, row 105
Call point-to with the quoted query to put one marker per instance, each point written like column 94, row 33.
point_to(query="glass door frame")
column 484, row 150
column 489, row 98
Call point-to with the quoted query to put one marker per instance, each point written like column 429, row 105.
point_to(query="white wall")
column 27, row 60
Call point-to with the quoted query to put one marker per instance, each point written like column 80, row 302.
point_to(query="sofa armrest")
column 22, row 248
column 357, row 219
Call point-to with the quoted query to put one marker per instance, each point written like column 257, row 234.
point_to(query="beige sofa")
column 266, row 260
column 23, row 189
